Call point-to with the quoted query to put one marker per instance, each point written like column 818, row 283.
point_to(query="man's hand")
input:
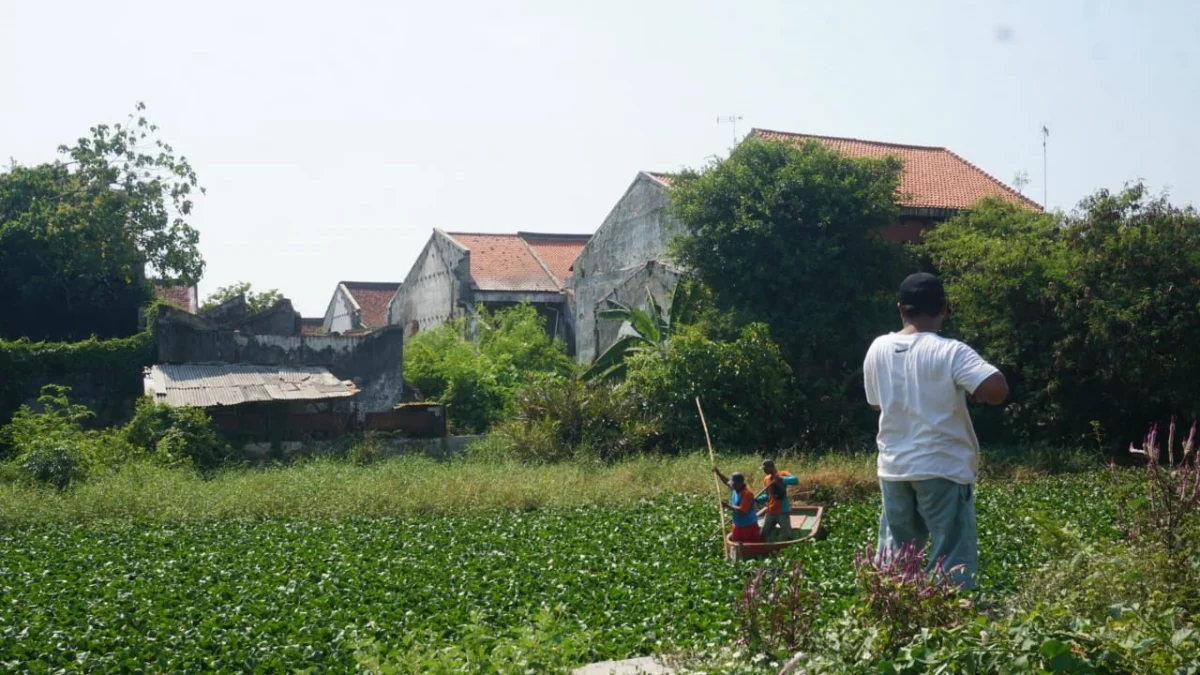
column 726, row 505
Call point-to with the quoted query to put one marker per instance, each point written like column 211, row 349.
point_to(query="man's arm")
column 720, row 476
column 993, row 390
column 870, row 386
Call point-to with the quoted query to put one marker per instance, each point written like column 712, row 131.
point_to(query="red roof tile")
column 179, row 296
column 557, row 251
column 664, row 178
column 506, row 262
column 372, row 298
column 311, row 326
column 934, row 178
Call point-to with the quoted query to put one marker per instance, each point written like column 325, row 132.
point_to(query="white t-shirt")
column 920, row 382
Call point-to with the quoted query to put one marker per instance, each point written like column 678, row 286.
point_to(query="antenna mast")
column 1045, row 181
column 730, row 119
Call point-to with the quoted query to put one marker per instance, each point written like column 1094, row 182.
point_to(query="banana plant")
column 652, row 328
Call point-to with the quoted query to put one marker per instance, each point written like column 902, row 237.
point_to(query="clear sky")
column 332, row 137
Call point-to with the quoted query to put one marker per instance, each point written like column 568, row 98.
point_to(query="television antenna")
column 1020, row 181
column 1045, row 182
column 731, row 120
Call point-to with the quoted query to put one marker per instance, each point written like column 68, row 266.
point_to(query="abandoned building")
column 457, row 270
column 357, row 307
column 262, row 380
column 627, row 254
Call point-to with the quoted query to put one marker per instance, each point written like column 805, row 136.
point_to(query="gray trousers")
column 781, row 520
column 938, row 509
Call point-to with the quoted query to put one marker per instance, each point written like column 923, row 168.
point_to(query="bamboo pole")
column 712, row 458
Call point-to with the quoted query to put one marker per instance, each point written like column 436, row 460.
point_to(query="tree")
column 77, row 234
column 255, row 302
column 1091, row 314
column 651, row 330
column 788, row 234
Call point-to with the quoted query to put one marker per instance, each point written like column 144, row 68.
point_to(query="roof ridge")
column 553, row 235
column 541, row 263
column 379, row 285
column 851, row 139
column 1004, row 186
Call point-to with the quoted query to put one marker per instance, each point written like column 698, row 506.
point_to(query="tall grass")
column 327, row 487
column 335, row 488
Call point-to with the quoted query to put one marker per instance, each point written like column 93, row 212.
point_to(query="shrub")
column 477, row 382
column 365, row 451
column 560, row 417
column 51, row 445
column 1090, row 315
column 177, row 435
column 744, row 385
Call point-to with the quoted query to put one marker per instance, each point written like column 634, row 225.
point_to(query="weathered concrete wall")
column 656, row 277
column 341, row 314
column 634, row 233
column 374, row 362
column 434, row 288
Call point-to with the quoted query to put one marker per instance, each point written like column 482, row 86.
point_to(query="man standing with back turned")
column 928, row 454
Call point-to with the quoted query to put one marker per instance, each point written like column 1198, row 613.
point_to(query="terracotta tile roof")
column 179, row 296
column 664, row 178
column 372, row 298
column 311, row 326
column 556, row 251
column 934, row 177
column 525, row 261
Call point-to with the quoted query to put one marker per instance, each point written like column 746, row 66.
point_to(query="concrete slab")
column 647, row 665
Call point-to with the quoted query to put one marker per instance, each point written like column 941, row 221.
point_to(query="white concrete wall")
column 634, row 233
column 431, row 292
column 341, row 313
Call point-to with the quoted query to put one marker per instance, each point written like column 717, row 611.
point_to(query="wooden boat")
column 806, row 521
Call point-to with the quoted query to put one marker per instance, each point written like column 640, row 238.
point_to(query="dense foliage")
column 177, row 435
column 745, row 386
column 51, row 445
column 117, row 363
column 1090, row 314
column 284, row 595
column 477, row 380
column 255, row 301
column 77, row 234
column 788, row 235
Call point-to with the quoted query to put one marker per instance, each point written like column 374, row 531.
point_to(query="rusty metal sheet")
column 210, row 385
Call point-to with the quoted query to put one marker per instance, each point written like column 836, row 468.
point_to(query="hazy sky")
column 333, row 136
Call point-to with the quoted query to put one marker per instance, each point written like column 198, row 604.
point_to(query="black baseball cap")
column 922, row 293
column 737, row 477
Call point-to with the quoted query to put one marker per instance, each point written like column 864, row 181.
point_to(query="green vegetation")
column 1090, row 315
column 788, row 235
column 255, row 301
column 118, row 362
column 76, row 235
column 652, row 329
column 478, row 379
column 53, row 447
column 185, row 591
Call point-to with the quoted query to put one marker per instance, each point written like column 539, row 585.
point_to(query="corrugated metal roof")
column 208, row 385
